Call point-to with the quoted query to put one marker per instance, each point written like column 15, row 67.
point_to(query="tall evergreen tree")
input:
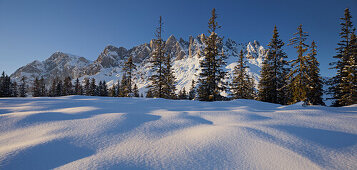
column 341, row 82
column 93, row 88
column 129, row 68
column 124, row 91
column 43, row 90
column 23, row 87
column 169, row 86
column 36, row 89
column 273, row 83
column 192, row 92
column 53, row 87
column 113, row 90
column 136, row 91
column 5, row 85
column 315, row 91
column 67, row 86
column 299, row 75
column 78, row 89
column 182, row 94
column 211, row 80
column 157, row 60
column 14, row 89
column 242, row 84
column 87, row 87
column 118, row 92
column 59, row 88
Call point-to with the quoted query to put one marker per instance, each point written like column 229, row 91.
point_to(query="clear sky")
column 33, row 30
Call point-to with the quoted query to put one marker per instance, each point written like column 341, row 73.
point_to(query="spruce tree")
column 341, row 88
column 78, row 90
column 104, row 89
column 157, row 60
column 129, row 68
column 211, row 80
column 192, row 92
column 118, row 88
column 87, row 87
column 136, row 91
column 242, row 84
column 93, row 88
column 36, row 91
column 23, row 87
column 43, row 90
column 124, row 90
column 67, row 86
column 14, row 90
column 182, row 94
column 299, row 75
column 273, row 82
column 5, row 87
column 59, row 88
column 169, row 86
column 53, row 87
column 315, row 91
column 113, row 90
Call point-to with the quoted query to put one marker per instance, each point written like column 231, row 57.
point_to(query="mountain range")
column 108, row 66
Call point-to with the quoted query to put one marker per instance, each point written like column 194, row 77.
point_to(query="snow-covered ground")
column 78, row 132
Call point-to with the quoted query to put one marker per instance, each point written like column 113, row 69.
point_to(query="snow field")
column 81, row 132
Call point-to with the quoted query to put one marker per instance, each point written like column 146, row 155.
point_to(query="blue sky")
column 33, row 30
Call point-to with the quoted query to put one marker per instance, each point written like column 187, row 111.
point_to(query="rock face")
column 58, row 65
column 108, row 66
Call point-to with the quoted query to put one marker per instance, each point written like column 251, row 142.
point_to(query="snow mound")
column 79, row 132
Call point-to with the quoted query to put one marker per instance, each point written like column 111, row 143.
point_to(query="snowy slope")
column 78, row 132
column 108, row 65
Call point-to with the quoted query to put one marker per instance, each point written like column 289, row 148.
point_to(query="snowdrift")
column 79, row 132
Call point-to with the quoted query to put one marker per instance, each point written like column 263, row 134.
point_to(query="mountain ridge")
column 108, row 66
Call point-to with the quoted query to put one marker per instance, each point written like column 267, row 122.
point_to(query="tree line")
column 282, row 82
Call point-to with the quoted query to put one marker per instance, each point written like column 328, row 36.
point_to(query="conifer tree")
column 92, row 88
column 192, row 92
column 78, row 89
column 212, row 75
column 23, row 87
column 169, row 86
column 124, row 91
column 43, row 90
column 149, row 94
column 273, row 83
column 157, row 60
column 14, row 89
column 36, row 90
column 136, row 91
column 299, row 76
column 5, row 85
column 104, row 89
column 315, row 91
column 59, row 88
column 53, row 87
column 67, row 86
column 129, row 68
column 341, row 84
column 242, row 84
column 87, row 88
column 182, row 94
column 113, row 90
column 118, row 92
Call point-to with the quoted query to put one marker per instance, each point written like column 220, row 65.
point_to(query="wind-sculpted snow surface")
column 77, row 132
